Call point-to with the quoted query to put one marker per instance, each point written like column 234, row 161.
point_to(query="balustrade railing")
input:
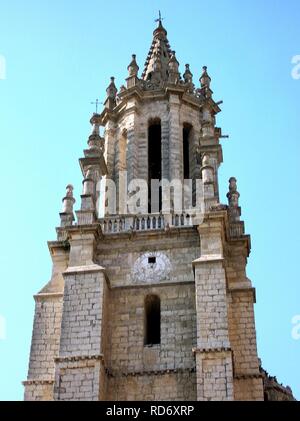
column 147, row 222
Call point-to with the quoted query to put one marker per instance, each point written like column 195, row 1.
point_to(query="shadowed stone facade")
column 91, row 327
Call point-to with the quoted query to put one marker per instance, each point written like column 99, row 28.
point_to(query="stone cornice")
column 151, row 372
column 241, row 289
column 96, row 357
column 57, row 244
column 208, row 259
column 37, row 382
column 211, row 350
column 84, row 269
column 163, row 93
column 47, row 295
column 94, row 161
column 72, row 270
column 94, row 228
column 153, row 284
column 248, row 376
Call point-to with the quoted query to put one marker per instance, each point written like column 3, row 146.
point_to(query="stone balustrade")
column 147, row 222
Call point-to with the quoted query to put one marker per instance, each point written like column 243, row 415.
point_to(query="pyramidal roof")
column 159, row 55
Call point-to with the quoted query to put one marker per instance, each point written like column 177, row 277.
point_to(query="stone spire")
column 157, row 62
column 111, row 92
column 66, row 214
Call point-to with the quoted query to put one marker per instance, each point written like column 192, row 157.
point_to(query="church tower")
column 149, row 298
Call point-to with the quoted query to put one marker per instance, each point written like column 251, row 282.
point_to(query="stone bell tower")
column 153, row 304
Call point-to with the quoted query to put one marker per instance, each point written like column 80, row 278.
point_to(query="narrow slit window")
column 152, row 320
column 186, row 151
column 154, row 165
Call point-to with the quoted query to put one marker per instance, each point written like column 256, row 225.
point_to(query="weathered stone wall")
column 240, row 301
column 127, row 351
column 154, row 387
column 242, row 332
column 137, row 371
column 44, row 346
column 82, row 314
column 78, row 379
column 118, row 253
column 78, row 367
column 248, row 388
column 38, row 390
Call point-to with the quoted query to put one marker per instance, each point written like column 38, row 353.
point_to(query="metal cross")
column 96, row 103
column 159, row 17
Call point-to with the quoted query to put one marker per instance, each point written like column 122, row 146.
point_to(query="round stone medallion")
column 151, row 267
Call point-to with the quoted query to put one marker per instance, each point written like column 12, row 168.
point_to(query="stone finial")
column 96, row 127
column 173, row 63
column 233, row 195
column 133, row 67
column 187, row 75
column 95, row 141
column 68, row 200
column 205, row 78
column 173, row 68
column 111, row 90
column 66, row 214
column 234, row 210
column 69, row 190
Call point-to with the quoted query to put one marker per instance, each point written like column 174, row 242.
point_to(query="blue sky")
column 59, row 57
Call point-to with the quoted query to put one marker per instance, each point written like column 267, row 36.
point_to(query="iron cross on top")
column 159, row 17
column 96, row 103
